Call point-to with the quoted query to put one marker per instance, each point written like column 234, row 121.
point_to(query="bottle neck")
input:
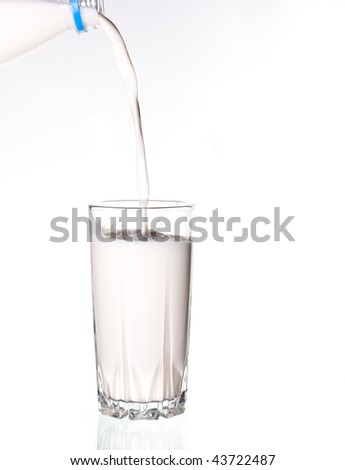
column 85, row 13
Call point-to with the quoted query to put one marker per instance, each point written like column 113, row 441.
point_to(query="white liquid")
column 141, row 304
column 141, row 291
column 129, row 81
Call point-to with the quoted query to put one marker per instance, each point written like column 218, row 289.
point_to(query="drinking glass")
column 141, row 280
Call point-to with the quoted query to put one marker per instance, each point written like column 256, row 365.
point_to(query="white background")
column 243, row 109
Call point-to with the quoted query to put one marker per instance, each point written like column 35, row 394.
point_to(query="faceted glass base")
column 135, row 410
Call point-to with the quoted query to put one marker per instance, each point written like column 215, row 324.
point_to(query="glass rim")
column 135, row 204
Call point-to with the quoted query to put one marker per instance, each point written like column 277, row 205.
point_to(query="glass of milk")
column 141, row 274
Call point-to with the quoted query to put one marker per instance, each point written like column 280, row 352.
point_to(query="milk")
column 129, row 81
column 141, row 293
column 141, row 304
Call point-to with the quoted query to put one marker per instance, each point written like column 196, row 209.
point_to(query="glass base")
column 136, row 410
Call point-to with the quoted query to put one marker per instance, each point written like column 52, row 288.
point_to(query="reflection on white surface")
column 164, row 434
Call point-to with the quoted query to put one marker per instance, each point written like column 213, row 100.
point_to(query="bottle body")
column 28, row 24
